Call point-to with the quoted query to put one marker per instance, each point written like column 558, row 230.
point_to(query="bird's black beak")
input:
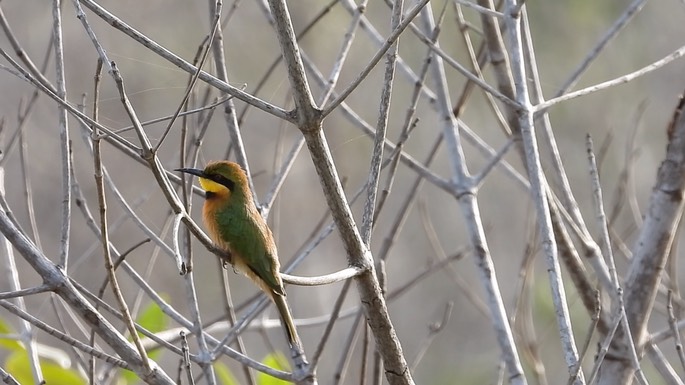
column 192, row 171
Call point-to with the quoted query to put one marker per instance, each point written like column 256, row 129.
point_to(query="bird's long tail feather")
column 296, row 349
column 287, row 320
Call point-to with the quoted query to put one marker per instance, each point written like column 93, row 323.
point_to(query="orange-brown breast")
column 209, row 209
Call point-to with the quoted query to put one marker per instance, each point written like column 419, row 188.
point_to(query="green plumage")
column 249, row 239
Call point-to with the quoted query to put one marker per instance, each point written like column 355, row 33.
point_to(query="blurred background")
column 628, row 122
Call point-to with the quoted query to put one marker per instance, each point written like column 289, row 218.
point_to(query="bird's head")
column 221, row 179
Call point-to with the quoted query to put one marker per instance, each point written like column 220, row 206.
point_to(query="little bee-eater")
column 235, row 225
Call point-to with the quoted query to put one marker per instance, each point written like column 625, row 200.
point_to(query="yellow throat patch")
column 213, row 187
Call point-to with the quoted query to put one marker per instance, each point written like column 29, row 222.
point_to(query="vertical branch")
column 465, row 189
column 498, row 58
column 651, row 250
column 329, row 87
column 109, row 265
column 591, row 250
column 381, row 127
column 97, row 82
column 65, row 142
column 309, row 121
column 599, row 211
column 606, row 250
column 663, row 216
column 307, row 111
column 410, row 123
column 537, row 181
column 358, row 255
column 676, row 333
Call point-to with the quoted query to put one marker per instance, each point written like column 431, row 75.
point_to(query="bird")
column 235, row 225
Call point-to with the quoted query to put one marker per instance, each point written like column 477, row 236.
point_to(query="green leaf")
column 275, row 360
column 45, row 352
column 19, row 366
column 8, row 343
column 127, row 377
column 224, row 374
column 152, row 318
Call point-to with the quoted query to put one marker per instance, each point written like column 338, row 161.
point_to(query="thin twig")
column 433, row 330
column 8, row 378
column 182, row 64
column 109, row 265
column 633, row 9
column 538, row 186
column 65, row 141
column 672, row 323
column 186, row 358
column 335, row 312
column 588, row 338
column 193, row 81
column 480, row 9
column 25, row 292
column 381, row 127
column 677, row 54
column 407, row 19
column 346, row 351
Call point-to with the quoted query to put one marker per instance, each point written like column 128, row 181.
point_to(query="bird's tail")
column 287, row 320
column 296, row 349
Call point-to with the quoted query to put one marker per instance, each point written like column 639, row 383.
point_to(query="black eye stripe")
column 222, row 180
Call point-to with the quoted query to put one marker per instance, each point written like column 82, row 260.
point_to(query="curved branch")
column 327, row 279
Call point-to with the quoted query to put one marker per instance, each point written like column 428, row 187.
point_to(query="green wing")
column 250, row 240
